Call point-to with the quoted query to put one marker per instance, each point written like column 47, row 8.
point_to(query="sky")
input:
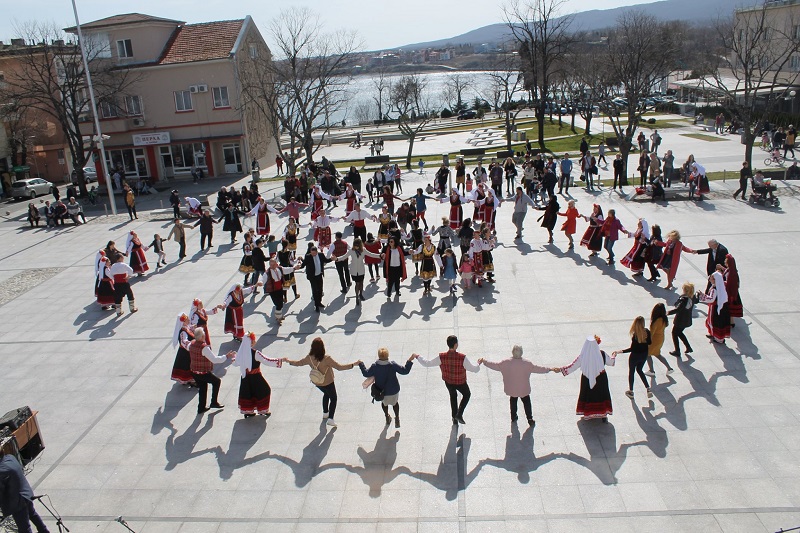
column 379, row 27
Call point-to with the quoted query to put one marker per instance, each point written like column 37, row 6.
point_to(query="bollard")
column 724, row 175
column 162, row 203
column 105, row 207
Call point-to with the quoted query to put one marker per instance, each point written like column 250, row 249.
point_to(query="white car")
column 89, row 174
column 30, row 188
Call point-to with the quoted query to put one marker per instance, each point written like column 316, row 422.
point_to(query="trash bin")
column 256, row 175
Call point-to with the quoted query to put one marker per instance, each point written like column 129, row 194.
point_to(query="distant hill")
column 692, row 11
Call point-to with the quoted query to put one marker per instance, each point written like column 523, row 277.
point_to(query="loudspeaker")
column 15, row 418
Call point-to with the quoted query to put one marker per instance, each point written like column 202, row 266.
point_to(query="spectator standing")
column 788, row 143
column 655, row 141
column 745, row 174
column 130, row 202
column 175, row 202
column 178, row 233
column 16, row 496
column 619, row 172
column 601, row 154
column 279, row 163
column 669, row 166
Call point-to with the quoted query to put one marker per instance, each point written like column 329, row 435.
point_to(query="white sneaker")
column 651, row 374
column 331, row 422
column 324, row 416
column 649, row 395
column 670, row 371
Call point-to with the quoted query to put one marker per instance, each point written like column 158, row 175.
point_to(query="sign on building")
column 147, row 139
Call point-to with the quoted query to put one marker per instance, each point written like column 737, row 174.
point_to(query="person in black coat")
column 683, row 319
column 175, row 202
column 716, row 256
column 314, row 263
column 16, row 496
column 550, row 217
column 230, row 215
column 206, row 224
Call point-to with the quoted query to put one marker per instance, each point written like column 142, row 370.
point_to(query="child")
column 272, row 246
column 429, row 189
column 246, row 264
column 466, row 271
column 370, row 189
column 422, row 167
column 449, row 269
column 469, row 183
column 158, row 247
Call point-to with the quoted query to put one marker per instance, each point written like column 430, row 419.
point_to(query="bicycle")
column 776, row 158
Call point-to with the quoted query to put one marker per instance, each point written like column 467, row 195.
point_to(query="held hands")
column 555, row 369
column 481, row 360
column 357, row 363
column 614, row 353
column 231, row 354
column 284, row 359
column 413, row 356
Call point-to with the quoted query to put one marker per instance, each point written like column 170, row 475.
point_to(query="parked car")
column 89, row 174
column 467, row 114
column 30, row 188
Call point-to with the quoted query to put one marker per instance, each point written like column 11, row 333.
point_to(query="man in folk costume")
column 194, row 206
column 273, row 283
column 352, row 197
column 454, row 366
column 357, row 217
column 104, row 283
column 456, row 210
column 315, row 201
column 261, row 211
column 475, row 197
column 322, row 229
column 594, row 399
column 254, row 391
column 202, row 359
column 234, row 314
column 198, row 316
column 122, row 287
column 718, row 322
column 488, row 208
column 340, row 249
column 135, row 251
column 181, row 338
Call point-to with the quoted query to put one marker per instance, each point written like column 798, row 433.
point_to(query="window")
column 124, row 48
column 221, row 97
column 133, row 104
column 183, row 101
column 253, row 51
column 109, row 109
column 794, row 63
column 796, row 32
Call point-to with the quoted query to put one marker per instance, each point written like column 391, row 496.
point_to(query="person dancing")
column 254, row 391
column 594, row 398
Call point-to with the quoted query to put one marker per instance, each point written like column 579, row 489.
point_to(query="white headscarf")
column 591, row 360
column 700, row 169
column 193, row 309
column 721, row 292
column 176, row 334
column 194, row 203
column 98, row 265
column 645, row 229
column 244, row 357
column 129, row 242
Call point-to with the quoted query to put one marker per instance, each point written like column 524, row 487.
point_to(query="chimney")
column 17, row 42
column 59, row 43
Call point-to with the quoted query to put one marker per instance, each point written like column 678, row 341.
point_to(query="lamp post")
column 99, row 137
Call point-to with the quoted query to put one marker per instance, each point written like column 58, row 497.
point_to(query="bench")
column 709, row 125
column 505, row 153
column 373, row 159
column 473, row 151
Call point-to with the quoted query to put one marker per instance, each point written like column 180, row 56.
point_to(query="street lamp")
column 99, row 137
column 792, row 94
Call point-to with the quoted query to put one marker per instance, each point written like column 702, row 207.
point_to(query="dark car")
column 467, row 114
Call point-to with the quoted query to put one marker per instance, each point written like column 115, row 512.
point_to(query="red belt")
column 120, row 278
column 253, row 371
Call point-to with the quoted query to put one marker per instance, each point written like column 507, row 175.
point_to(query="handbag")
column 376, row 393
column 316, row 377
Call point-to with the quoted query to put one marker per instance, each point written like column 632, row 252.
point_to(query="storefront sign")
column 147, row 139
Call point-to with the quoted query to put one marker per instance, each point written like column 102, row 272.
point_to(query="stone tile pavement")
column 716, row 449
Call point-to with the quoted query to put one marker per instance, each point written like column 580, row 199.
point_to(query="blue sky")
column 379, row 26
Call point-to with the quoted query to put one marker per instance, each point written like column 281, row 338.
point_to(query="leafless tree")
column 752, row 70
column 453, row 93
column 49, row 77
column 506, row 86
column 587, row 83
column 382, row 85
column 542, row 35
column 304, row 85
column 414, row 108
column 640, row 54
column 363, row 112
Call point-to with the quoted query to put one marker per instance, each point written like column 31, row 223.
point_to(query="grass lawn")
column 702, row 137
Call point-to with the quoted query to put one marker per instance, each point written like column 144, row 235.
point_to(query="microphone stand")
column 60, row 523
column 124, row 523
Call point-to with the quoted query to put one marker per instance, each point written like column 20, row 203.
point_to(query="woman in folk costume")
column 718, row 322
column 456, row 210
column 234, row 314
column 273, row 282
column 731, row 277
column 593, row 237
column 316, row 196
column 636, row 258
column 476, row 196
column 383, row 224
column 104, row 283
column 261, row 211
column 487, row 245
column 550, row 217
column 246, row 264
column 194, row 206
column 671, row 257
column 430, row 261
column 181, row 337
column 416, row 242
column 475, row 254
column 198, row 317
column 285, row 258
column 322, row 229
column 254, row 391
column 373, row 246
column 488, row 208
column 594, row 398
column 569, row 227
column 136, row 253
column 290, row 234
column 351, row 196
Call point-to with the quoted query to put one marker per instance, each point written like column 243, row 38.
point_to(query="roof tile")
column 202, row 42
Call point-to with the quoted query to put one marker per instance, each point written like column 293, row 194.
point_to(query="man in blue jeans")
column 16, row 496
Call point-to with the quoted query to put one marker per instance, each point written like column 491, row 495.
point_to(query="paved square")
column 716, row 449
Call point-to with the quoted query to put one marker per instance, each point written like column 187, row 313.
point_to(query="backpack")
column 316, row 377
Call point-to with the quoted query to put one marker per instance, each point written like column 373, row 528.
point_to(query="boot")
column 279, row 316
column 118, row 307
column 132, row 305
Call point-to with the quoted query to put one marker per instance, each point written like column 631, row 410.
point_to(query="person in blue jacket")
column 385, row 374
column 16, row 496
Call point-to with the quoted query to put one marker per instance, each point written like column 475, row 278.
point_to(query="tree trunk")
column 572, row 123
column 588, row 125
column 411, row 138
column 540, row 125
column 749, row 137
column 508, row 132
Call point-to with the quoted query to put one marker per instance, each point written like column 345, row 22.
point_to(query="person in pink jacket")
column 516, row 373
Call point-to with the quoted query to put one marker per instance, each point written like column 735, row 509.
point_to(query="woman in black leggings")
column 640, row 341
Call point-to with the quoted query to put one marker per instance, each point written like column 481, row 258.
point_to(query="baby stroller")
column 763, row 194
